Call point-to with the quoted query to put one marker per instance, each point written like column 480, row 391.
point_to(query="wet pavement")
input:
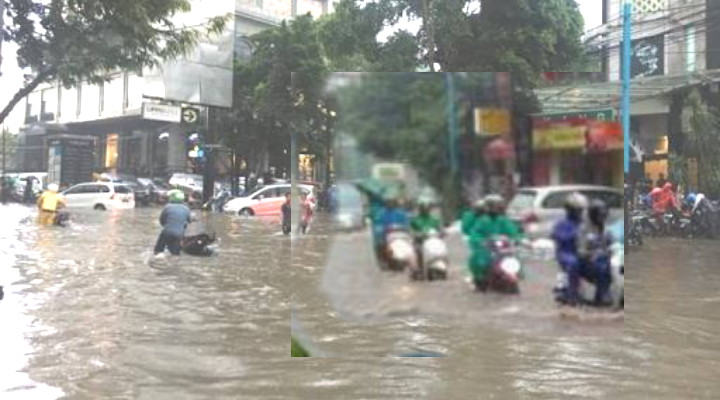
column 85, row 317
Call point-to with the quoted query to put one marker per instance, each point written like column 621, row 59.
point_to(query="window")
column 89, row 100
column 556, row 200
column 690, row 48
column 49, row 107
column 77, row 190
column 68, row 106
column 613, row 200
column 259, row 3
column 134, row 91
column 113, row 95
column 122, row 189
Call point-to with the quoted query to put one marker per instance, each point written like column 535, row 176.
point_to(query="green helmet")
column 176, row 196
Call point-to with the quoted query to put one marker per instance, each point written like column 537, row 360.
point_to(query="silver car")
column 537, row 209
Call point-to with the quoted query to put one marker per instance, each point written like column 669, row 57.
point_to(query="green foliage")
column 296, row 349
column 705, row 125
column 280, row 90
column 73, row 40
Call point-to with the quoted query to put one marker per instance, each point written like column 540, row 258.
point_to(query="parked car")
column 157, row 189
column 99, row 196
column 266, row 201
column 141, row 192
column 193, row 181
column 538, row 209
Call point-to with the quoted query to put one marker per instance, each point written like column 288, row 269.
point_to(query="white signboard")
column 162, row 112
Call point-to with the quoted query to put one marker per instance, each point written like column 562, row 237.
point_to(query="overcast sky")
column 12, row 77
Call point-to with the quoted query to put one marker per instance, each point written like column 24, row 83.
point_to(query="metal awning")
column 595, row 96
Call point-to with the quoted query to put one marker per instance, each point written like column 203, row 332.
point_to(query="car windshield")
column 523, row 200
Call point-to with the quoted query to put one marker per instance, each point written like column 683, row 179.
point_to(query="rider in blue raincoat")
column 567, row 234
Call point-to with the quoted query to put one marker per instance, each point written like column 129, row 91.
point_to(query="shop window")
column 111, row 151
column 690, row 48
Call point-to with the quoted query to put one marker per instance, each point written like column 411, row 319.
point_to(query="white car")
column 538, row 209
column 99, row 196
column 266, row 201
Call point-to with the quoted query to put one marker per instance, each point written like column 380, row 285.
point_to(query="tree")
column 8, row 141
column 279, row 91
column 71, row 41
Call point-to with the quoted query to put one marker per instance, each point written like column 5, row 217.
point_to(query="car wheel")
column 246, row 212
column 99, row 207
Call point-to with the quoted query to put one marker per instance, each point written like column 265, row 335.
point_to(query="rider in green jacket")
column 494, row 223
column 470, row 216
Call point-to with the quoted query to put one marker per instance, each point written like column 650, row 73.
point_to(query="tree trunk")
column 429, row 28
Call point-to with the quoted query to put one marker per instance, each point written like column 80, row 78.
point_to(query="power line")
column 654, row 25
column 699, row 29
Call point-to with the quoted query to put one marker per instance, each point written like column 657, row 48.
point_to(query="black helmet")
column 598, row 211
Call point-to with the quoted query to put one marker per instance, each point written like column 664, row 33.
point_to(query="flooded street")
column 674, row 316
column 495, row 347
column 84, row 317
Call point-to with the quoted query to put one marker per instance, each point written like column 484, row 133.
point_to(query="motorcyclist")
column 566, row 235
column 702, row 211
column 666, row 200
column 471, row 216
column 392, row 215
column 49, row 203
column 594, row 251
column 493, row 223
column 424, row 223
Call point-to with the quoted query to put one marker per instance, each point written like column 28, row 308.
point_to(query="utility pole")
column 627, row 21
column 294, row 198
column 452, row 121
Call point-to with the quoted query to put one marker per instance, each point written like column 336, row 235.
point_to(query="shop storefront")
column 577, row 151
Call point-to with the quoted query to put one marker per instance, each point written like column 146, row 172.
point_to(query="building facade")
column 674, row 47
column 136, row 123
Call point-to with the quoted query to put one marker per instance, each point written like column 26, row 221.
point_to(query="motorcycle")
column 635, row 234
column 218, row 201
column 62, row 218
column 507, row 270
column 435, row 259
column 399, row 249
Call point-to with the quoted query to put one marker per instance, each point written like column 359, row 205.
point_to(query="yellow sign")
column 559, row 137
column 492, row 121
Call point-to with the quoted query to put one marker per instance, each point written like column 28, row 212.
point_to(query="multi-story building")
column 133, row 123
column 675, row 44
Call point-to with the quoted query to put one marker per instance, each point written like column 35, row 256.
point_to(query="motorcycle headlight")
column 511, row 266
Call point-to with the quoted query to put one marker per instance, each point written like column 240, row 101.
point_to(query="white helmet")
column 53, row 187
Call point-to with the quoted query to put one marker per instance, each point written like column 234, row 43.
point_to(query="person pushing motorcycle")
column 493, row 223
column 49, row 203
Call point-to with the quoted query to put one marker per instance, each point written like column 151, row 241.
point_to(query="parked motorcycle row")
column 698, row 217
